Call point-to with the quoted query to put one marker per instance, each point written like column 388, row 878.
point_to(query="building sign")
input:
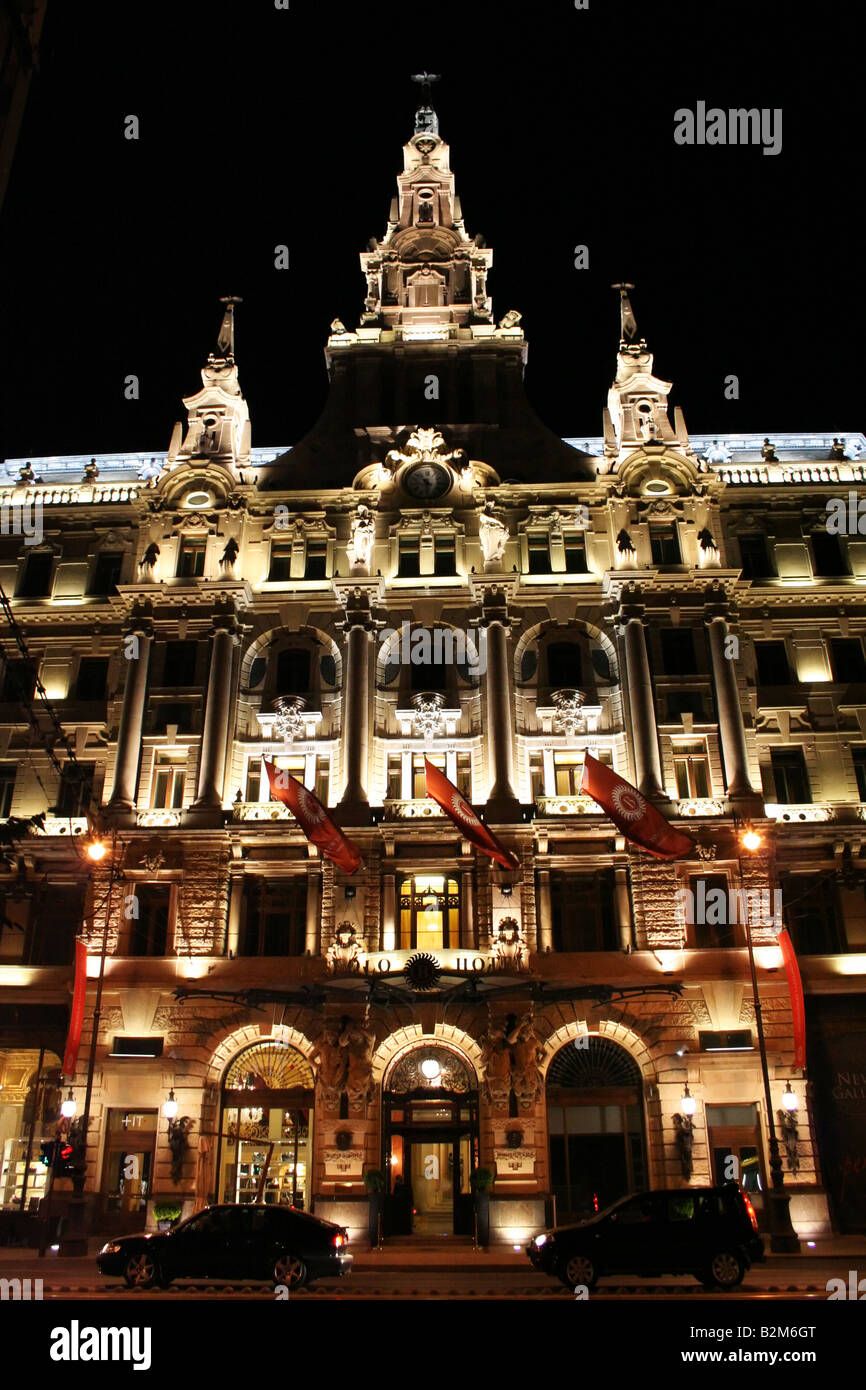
column 343, row 1163
column 514, row 1163
column 466, row 960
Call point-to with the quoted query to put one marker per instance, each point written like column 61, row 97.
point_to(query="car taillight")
column 751, row 1210
column 338, row 1240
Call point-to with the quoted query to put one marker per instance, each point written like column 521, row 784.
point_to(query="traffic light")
column 47, row 1153
column 65, row 1162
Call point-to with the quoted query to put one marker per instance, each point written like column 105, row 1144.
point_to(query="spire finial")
column 226, row 339
column 426, row 120
column 628, row 324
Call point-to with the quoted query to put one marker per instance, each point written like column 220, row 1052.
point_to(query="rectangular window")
column 772, row 662
column 395, row 777
column 419, row 777
column 575, row 553
column 678, row 651
column 169, row 773
column 293, row 671
column 8, row 773
column 445, row 556
column 811, row 911
column 19, row 681
column 582, row 911
column 789, row 775
column 691, row 768
column 827, row 555
column 281, row 562
column 274, row 917
column 409, row 562
column 254, row 779
column 106, row 574
column 35, row 580
column 429, row 908
column 148, row 931
column 179, row 716
column 55, row 923
column 536, row 776
column 538, row 546
column 567, row 772
column 316, row 561
column 847, row 659
column 664, row 544
column 92, row 678
column 755, row 557
column 859, row 757
column 76, row 789
column 714, row 911
column 190, row 563
column 180, row 663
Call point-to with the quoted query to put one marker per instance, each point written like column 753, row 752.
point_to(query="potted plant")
column 165, row 1214
column 374, row 1181
column 481, row 1181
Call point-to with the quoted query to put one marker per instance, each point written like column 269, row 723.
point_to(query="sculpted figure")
column 360, row 547
column 331, row 1063
column 526, row 1053
column 358, row 1046
column 496, row 1059
column 493, row 535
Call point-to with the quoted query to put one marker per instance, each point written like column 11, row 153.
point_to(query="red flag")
column 457, row 808
column 313, row 819
column 76, row 1016
column 631, row 813
column 795, row 986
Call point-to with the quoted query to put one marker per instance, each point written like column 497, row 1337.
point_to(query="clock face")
column 427, row 480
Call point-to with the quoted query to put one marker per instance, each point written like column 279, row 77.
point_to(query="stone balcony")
column 796, row 812
column 259, row 810
column 416, row 809
column 159, row 818
column 701, row 806
column 567, row 806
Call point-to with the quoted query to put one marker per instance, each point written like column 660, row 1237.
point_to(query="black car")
column 280, row 1244
column 711, row 1232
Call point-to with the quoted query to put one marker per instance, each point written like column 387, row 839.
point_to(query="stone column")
column 139, row 638
column 314, row 916
column 648, row 768
column 502, row 803
column 622, row 900
column 354, row 807
column 214, row 738
column 545, row 912
column 731, row 728
column 236, row 892
column 389, row 912
column 467, row 911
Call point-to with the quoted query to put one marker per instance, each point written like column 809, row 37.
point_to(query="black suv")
column 711, row 1232
column 280, row 1244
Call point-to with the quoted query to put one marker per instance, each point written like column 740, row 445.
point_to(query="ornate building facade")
column 430, row 572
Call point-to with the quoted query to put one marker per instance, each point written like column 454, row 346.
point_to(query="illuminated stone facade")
column 655, row 598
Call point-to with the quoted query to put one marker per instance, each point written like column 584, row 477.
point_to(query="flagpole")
column 783, row 1237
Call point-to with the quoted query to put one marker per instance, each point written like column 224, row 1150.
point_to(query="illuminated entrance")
column 266, row 1127
column 595, row 1126
column 430, row 1141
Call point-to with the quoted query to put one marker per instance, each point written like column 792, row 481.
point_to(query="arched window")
column 564, row 665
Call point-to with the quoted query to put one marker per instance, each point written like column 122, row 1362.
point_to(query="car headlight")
column 540, row 1240
column 110, row 1249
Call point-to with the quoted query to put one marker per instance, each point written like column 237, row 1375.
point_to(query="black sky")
column 261, row 127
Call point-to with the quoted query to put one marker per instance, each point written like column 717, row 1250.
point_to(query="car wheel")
column 290, row 1271
column 725, row 1271
column 141, row 1271
column 578, row 1269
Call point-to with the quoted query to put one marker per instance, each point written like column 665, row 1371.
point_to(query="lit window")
column 190, row 564
column 429, row 912
column 169, row 772
column 567, row 772
column 692, row 770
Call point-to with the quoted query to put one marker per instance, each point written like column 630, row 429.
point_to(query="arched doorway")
column 266, row 1127
column 595, row 1126
column 430, row 1140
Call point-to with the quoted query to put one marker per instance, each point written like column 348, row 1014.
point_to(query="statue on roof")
column 628, row 323
column 426, row 120
column 226, row 339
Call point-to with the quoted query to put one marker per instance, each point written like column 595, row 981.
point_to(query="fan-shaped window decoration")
column 602, row 1063
column 257, row 671
column 601, row 665
column 431, row 1068
column 273, row 1066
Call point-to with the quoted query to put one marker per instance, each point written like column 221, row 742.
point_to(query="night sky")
column 261, row 127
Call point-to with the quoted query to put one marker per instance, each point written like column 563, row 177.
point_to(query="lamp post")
column 783, row 1237
column 75, row 1235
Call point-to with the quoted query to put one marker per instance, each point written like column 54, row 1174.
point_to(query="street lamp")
column 74, row 1241
column 783, row 1237
column 169, row 1106
column 69, row 1106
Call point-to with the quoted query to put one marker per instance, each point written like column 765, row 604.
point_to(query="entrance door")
column 439, row 1199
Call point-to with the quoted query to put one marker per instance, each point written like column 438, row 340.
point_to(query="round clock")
column 427, row 480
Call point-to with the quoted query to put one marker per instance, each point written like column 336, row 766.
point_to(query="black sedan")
column 710, row 1232
column 279, row 1244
